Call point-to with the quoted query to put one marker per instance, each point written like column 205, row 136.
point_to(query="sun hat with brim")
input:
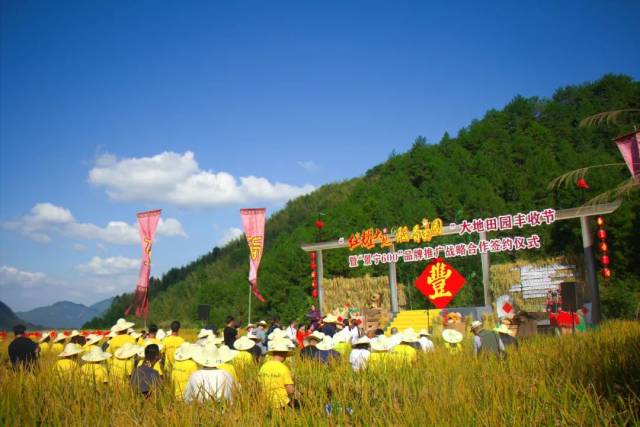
column 476, row 324
column 204, row 333
column 161, row 334
column 127, row 351
column 209, row 357
column 96, row 355
column 70, row 349
column 251, row 325
column 44, row 336
column 145, row 345
column 409, row 336
column 93, row 339
column 185, row 351
column 60, row 337
column 228, row 352
column 380, row 344
column 280, row 345
column 330, row 318
column 74, row 333
column 136, row 335
column 122, row 325
column 365, row 340
column 451, row 336
column 503, row 329
column 262, row 323
column 111, row 334
column 424, row 333
column 244, row 343
column 315, row 335
column 342, row 336
column 212, row 340
column 327, row 343
column 277, row 333
column 254, row 337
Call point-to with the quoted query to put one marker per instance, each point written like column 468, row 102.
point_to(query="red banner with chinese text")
column 147, row 224
column 253, row 223
column 440, row 282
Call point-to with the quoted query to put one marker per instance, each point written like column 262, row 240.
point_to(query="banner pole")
column 249, row 317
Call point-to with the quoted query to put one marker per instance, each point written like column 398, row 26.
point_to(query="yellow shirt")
column 171, row 343
column 94, row 372
column 87, row 348
column 56, row 348
column 121, row 368
column 118, row 341
column 230, row 369
column 342, row 348
column 273, row 378
column 404, row 353
column 453, row 348
column 243, row 358
column 44, row 347
column 378, row 360
column 182, row 370
column 66, row 365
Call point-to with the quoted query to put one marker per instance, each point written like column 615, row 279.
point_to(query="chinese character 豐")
column 353, row 261
column 438, row 280
column 519, row 220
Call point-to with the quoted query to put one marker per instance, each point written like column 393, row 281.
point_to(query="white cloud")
column 109, row 266
column 11, row 277
column 308, row 165
column 79, row 247
column 177, row 179
column 229, row 235
column 45, row 218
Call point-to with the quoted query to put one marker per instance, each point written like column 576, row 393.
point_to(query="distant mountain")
column 8, row 319
column 65, row 314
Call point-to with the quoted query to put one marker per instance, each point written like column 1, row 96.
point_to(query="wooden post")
column 590, row 269
column 486, row 273
column 393, row 284
column 319, row 275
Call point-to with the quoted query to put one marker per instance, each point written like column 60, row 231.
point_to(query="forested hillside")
column 502, row 163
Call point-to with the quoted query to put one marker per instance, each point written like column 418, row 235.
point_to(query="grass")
column 587, row 379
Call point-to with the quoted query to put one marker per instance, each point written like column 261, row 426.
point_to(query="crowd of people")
column 206, row 369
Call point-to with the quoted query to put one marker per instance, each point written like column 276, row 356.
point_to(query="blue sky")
column 110, row 108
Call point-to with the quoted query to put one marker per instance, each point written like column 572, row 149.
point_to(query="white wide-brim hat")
column 127, row 351
column 111, row 334
column 185, row 351
column 342, row 336
column 244, row 343
column 161, row 334
column 60, row 336
column 122, row 325
column 93, row 339
column 424, row 333
column 315, row 335
column 44, row 336
column 363, row 341
column 451, row 336
column 135, row 335
column 95, row 355
column 327, row 343
column 409, row 335
column 330, row 318
column 476, row 324
column 380, row 344
column 262, row 323
column 74, row 333
column 276, row 334
column 70, row 349
column 254, row 337
column 205, row 333
column 279, row 345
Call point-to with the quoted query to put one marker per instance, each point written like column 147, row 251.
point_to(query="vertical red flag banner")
column 440, row 282
column 147, row 224
column 629, row 146
column 253, row 222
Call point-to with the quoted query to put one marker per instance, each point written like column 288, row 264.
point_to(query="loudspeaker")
column 203, row 312
column 571, row 297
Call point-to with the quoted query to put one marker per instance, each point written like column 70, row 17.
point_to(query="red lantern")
column 603, row 247
column 604, row 260
column 313, row 265
column 314, row 285
column 313, row 256
column 582, row 184
column 313, row 274
column 319, row 224
column 606, row 273
column 314, row 294
column 602, row 234
column 600, row 221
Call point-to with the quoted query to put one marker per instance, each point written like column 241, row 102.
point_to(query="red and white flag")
column 147, row 222
column 629, row 146
column 253, row 222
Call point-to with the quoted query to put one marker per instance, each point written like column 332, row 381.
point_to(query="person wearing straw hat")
column 256, row 350
column 183, row 366
column 209, row 381
column 426, row 345
column 326, row 352
column 68, row 358
column 228, row 366
column 121, row 337
column 58, row 343
column 44, row 341
column 452, row 340
column 76, row 338
column 485, row 341
column 203, row 335
column 379, row 356
column 94, row 369
column 329, row 327
column 360, row 353
column 107, row 341
column 92, row 340
column 405, row 352
column 123, row 361
column 144, row 378
column 342, row 340
column 310, row 351
column 275, row 377
column 505, row 336
column 244, row 344
column 172, row 342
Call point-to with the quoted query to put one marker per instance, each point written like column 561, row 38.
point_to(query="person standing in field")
column 92, row 340
column 292, row 331
column 172, row 342
column 485, row 342
column 261, row 333
column 183, row 367
column 43, row 343
column 301, row 335
column 230, row 332
column 94, row 370
column 145, row 379
column 68, row 360
column 275, row 377
column 426, row 345
column 326, row 352
column 360, row 353
column 452, row 340
column 404, row 352
column 121, row 337
column 209, row 382
column 275, row 324
column 58, row 343
column 123, row 361
column 23, row 352
column 244, row 357
column 310, row 351
column 329, row 327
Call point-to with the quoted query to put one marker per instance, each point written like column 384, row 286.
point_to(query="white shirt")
column 206, row 384
column 291, row 333
column 355, row 334
column 394, row 340
column 358, row 358
column 426, row 344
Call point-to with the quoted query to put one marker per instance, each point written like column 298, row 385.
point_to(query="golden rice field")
column 582, row 380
